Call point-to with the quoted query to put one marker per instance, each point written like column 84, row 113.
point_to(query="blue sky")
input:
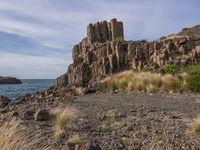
column 36, row 36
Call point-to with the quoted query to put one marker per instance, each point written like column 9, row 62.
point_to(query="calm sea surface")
column 28, row 86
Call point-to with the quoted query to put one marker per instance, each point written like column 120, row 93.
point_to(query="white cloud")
column 41, row 21
column 24, row 28
column 24, row 66
column 58, row 24
column 58, row 20
column 65, row 21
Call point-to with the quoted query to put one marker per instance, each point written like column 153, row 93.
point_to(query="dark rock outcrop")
column 9, row 80
column 104, row 52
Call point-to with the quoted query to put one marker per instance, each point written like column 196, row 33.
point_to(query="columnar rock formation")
column 104, row 31
column 104, row 52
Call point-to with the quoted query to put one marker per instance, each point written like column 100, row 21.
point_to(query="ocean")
column 28, row 86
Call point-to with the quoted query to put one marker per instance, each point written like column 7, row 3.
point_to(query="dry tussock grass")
column 76, row 139
column 10, row 136
column 144, row 81
column 15, row 136
column 64, row 117
column 196, row 125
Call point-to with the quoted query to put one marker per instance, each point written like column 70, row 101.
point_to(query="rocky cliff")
column 104, row 51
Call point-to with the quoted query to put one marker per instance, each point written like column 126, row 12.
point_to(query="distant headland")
column 9, row 80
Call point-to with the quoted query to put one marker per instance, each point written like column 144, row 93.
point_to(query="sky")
column 37, row 36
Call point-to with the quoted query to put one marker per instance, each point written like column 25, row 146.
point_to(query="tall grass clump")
column 15, row 135
column 144, row 81
column 63, row 120
column 171, row 83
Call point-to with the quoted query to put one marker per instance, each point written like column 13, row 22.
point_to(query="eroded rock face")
column 62, row 80
column 104, row 52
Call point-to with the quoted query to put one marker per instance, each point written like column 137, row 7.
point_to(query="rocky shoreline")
column 9, row 80
column 104, row 121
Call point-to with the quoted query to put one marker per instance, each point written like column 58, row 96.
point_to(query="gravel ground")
column 111, row 121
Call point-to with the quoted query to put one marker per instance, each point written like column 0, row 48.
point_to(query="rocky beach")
column 102, row 121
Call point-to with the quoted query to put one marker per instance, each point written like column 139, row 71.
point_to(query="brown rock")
column 41, row 115
column 4, row 101
column 62, row 80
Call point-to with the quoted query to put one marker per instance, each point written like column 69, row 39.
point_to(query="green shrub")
column 193, row 79
column 193, row 82
column 148, row 69
column 171, row 69
column 192, row 69
column 119, row 40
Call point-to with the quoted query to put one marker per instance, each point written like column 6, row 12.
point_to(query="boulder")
column 4, row 101
column 62, row 81
column 27, row 115
column 41, row 115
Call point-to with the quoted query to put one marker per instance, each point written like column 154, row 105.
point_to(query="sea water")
column 28, row 86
